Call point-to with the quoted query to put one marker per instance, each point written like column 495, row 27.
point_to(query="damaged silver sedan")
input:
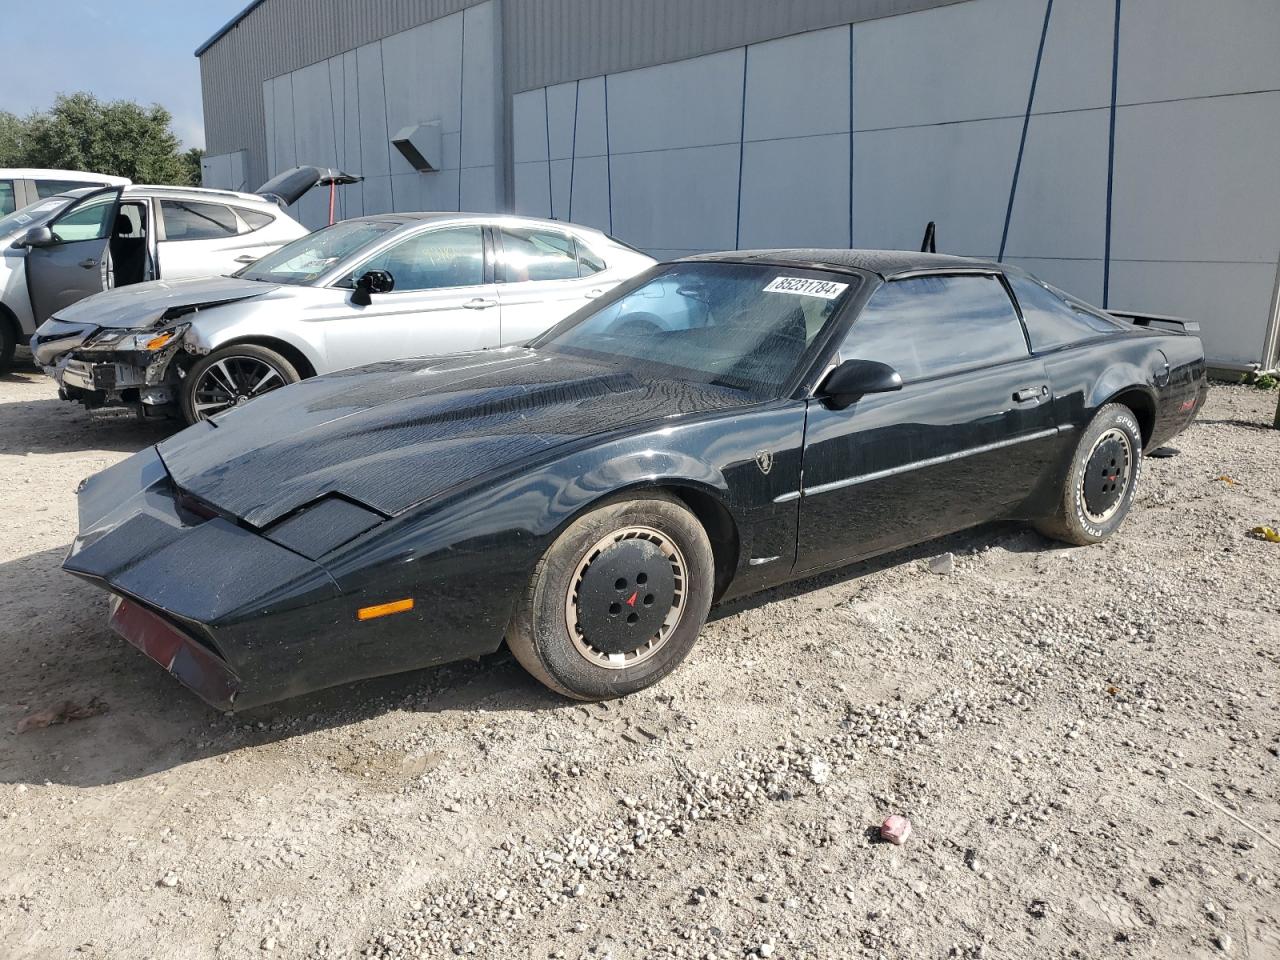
column 376, row 288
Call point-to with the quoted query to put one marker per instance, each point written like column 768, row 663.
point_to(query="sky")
column 119, row 50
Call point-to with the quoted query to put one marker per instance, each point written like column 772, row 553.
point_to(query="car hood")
column 394, row 434
column 140, row 305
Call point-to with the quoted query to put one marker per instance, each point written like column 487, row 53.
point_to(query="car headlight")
column 147, row 341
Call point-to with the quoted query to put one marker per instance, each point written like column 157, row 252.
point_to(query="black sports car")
column 716, row 426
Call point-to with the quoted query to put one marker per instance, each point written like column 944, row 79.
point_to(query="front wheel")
column 617, row 601
column 231, row 376
column 1099, row 488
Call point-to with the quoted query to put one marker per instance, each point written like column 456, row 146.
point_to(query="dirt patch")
column 1085, row 741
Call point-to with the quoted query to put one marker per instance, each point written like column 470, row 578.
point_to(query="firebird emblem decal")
column 764, row 460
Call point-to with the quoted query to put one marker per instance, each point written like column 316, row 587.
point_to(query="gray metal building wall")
column 557, row 40
column 277, row 37
column 550, row 41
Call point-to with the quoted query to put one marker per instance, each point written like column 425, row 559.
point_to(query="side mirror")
column 375, row 281
column 39, row 237
column 854, row 378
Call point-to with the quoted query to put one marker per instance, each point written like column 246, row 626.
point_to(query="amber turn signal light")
column 384, row 609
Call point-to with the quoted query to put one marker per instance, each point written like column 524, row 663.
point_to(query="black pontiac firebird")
column 716, row 426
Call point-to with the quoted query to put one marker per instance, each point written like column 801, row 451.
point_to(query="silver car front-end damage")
column 140, row 379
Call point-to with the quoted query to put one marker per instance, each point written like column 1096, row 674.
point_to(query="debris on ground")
column 1268, row 534
column 62, row 712
column 896, row 830
column 944, row 564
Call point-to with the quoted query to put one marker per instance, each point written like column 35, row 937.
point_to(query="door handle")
column 89, row 264
column 597, row 292
column 1028, row 394
column 480, row 303
column 247, row 258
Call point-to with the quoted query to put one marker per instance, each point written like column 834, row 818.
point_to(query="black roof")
column 885, row 263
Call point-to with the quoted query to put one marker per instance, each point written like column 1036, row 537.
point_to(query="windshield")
column 308, row 257
column 33, row 214
column 744, row 326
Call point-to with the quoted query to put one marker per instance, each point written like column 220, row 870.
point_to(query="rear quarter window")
column 931, row 326
column 254, row 219
column 1052, row 321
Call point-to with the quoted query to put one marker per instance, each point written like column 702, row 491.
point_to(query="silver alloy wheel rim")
column 231, row 381
column 620, row 661
column 1126, row 470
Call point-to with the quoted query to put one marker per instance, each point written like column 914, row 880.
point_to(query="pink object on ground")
column 895, row 829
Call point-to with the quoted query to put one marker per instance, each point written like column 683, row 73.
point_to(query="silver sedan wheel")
column 231, row 381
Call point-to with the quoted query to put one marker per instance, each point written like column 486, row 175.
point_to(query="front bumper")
column 235, row 617
column 195, row 667
column 88, row 375
column 145, row 382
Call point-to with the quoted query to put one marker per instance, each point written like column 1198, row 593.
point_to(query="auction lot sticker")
column 802, row 286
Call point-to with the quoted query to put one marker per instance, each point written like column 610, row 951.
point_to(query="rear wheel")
column 617, row 601
column 231, row 376
column 1099, row 488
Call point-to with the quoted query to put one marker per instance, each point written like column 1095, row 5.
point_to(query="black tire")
column 198, row 400
column 561, row 654
column 8, row 343
column 1098, row 490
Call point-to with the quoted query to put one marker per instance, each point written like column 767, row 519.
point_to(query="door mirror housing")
column 374, row 281
column 854, row 378
column 40, row 236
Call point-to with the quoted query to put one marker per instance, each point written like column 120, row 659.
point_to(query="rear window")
column 48, row 188
column 7, row 202
column 931, row 326
column 1052, row 320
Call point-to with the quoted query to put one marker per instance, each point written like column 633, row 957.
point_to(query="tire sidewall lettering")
column 1098, row 532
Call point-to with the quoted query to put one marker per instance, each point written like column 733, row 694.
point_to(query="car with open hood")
column 62, row 248
column 715, row 426
column 371, row 288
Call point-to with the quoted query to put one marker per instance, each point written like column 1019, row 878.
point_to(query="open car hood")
column 140, row 305
column 394, row 434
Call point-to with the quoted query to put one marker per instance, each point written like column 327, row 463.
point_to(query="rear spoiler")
column 1158, row 320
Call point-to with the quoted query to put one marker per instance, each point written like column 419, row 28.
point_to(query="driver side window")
column 450, row 257
column 88, row 221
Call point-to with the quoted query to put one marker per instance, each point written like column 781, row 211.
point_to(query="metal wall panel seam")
column 462, row 100
column 1111, row 159
column 608, row 154
column 851, row 136
column 573, row 145
column 742, row 144
column 386, row 124
column 546, row 119
column 1026, row 123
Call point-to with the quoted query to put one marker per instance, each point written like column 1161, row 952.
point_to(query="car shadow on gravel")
column 55, row 426
column 1012, row 536
column 55, row 646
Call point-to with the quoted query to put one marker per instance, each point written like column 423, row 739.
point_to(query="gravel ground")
column 1085, row 741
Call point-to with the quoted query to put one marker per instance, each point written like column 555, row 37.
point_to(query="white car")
column 375, row 288
column 20, row 186
column 70, row 245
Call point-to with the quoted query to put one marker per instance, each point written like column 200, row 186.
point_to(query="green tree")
column 11, row 134
column 81, row 132
column 191, row 161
